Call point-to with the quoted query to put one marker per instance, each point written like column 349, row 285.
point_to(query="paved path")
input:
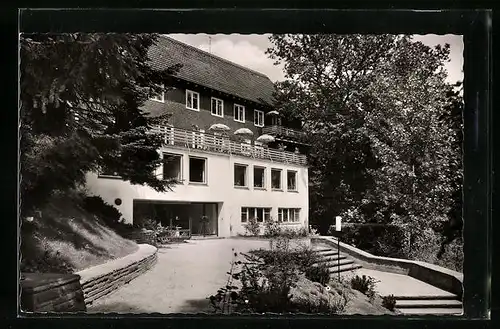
column 400, row 284
column 182, row 280
column 186, row 274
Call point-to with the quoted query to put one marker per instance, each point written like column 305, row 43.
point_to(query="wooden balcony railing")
column 281, row 131
column 215, row 143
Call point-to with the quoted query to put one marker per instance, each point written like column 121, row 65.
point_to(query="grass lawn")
column 69, row 239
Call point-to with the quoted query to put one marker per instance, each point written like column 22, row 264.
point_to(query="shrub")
column 272, row 228
column 49, row 262
column 253, row 227
column 303, row 232
column 319, row 273
column 367, row 238
column 103, row 210
column 364, row 284
column 389, row 302
column 146, row 223
column 266, row 278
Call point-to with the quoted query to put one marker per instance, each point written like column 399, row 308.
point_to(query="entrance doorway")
column 199, row 218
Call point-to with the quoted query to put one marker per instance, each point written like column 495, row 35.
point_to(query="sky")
column 253, row 46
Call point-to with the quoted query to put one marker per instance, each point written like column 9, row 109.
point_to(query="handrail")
column 222, row 144
column 283, row 131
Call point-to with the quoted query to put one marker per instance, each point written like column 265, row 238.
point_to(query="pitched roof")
column 211, row 71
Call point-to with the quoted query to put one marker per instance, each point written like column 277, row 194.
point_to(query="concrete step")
column 344, row 268
column 330, row 253
column 428, row 297
column 336, row 263
column 431, row 311
column 331, row 258
column 412, row 304
column 320, row 249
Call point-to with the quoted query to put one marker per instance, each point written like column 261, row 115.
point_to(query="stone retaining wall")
column 435, row 275
column 103, row 279
column 45, row 292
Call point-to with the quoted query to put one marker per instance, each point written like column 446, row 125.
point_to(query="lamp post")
column 338, row 227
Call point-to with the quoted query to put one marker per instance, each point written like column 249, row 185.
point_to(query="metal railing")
column 222, row 144
column 276, row 130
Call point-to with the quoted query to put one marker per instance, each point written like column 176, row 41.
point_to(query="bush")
column 367, row 238
column 48, row 263
column 253, row 227
column 272, row 229
column 266, row 278
column 364, row 284
column 319, row 273
column 146, row 223
column 106, row 212
column 389, row 302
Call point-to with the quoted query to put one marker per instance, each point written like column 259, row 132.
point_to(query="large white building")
column 224, row 178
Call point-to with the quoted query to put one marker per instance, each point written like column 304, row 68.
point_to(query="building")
column 223, row 179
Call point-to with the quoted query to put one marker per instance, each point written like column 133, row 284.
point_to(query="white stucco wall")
column 218, row 189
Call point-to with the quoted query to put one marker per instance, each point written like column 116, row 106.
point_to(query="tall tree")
column 81, row 98
column 372, row 105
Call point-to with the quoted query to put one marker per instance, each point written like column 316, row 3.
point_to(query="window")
column 192, row 100
column 259, row 177
column 288, row 215
column 217, row 107
column 291, row 178
column 239, row 113
column 258, row 118
column 276, row 179
column 158, row 97
column 240, row 175
column 197, row 169
column 172, row 167
column 261, row 214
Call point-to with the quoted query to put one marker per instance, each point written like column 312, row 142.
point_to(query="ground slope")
column 68, row 238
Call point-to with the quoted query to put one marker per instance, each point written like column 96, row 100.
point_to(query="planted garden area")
column 289, row 278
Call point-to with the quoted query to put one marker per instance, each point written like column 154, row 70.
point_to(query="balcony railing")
column 215, row 143
column 281, row 131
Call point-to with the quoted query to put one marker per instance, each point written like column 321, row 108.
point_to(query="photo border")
column 474, row 25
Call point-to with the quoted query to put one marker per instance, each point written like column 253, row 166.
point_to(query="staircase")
column 336, row 262
column 429, row 305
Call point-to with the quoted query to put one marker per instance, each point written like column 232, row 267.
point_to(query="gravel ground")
column 182, row 280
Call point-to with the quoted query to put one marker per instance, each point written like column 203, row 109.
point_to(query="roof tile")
column 211, row 71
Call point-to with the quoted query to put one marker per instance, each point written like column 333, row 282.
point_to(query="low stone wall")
column 435, row 275
column 101, row 280
column 44, row 292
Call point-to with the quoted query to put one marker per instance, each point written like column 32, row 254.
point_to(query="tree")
column 372, row 106
column 81, row 98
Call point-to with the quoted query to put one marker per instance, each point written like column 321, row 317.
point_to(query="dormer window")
column 192, row 100
column 239, row 113
column 258, row 118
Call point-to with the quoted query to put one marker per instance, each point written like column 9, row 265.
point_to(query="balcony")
column 208, row 142
column 283, row 132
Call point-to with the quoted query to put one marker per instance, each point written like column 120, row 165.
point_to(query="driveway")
column 182, row 280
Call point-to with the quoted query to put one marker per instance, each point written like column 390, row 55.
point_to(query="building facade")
column 222, row 179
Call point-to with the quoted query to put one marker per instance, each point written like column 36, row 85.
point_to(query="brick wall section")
column 102, row 280
column 186, row 118
column 44, row 292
